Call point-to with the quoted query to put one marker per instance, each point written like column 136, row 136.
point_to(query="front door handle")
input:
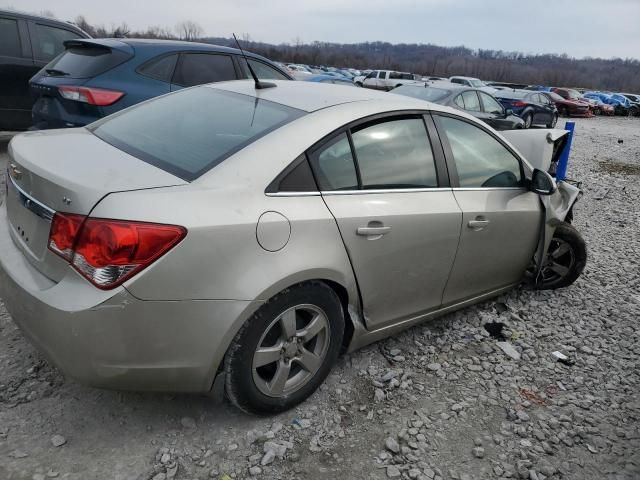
column 478, row 224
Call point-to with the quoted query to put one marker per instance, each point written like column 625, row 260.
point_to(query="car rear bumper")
column 112, row 339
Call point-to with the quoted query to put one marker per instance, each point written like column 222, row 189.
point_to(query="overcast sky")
column 580, row 28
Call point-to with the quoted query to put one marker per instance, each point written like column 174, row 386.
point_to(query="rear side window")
column 192, row 131
column 49, row 41
column 480, row 159
column 87, row 61
column 160, row 68
column 199, row 68
column 262, row 70
column 471, row 102
column 395, row 154
column 9, row 38
column 333, row 165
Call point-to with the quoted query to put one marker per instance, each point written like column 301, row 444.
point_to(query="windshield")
column 476, row 83
column 574, row 95
column 555, row 97
column 189, row 132
column 430, row 94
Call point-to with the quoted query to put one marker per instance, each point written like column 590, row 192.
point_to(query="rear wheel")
column 565, row 259
column 528, row 120
column 285, row 350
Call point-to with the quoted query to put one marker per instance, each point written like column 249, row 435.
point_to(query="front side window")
column 333, row 165
column 480, row 159
column 9, row 38
column 381, row 74
column 395, row 154
column 191, row 131
column 491, row 105
column 49, row 41
column 199, row 68
column 471, row 102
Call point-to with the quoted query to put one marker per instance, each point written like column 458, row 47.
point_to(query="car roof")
column 464, row 78
column 142, row 43
column 313, row 96
column 41, row 18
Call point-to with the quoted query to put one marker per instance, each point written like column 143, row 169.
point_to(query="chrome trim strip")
column 482, row 189
column 30, row 203
column 293, row 194
column 384, row 190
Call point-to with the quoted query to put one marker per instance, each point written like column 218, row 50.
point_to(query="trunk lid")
column 67, row 171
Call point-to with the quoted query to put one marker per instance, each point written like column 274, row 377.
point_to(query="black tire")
column 359, row 84
column 554, row 121
column 528, row 120
column 572, row 261
column 564, row 111
column 240, row 386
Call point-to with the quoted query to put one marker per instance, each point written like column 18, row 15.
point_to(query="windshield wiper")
column 54, row 71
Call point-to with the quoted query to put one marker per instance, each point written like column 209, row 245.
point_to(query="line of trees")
column 615, row 74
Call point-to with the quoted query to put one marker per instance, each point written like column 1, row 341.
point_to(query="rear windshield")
column 85, row 62
column 430, row 94
column 192, row 131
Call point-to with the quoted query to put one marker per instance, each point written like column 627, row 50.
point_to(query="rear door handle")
column 372, row 231
column 478, row 224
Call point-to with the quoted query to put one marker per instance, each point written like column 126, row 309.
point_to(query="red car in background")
column 569, row 102
column 600, row 108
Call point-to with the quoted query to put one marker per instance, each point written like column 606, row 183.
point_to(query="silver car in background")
column 224, row 234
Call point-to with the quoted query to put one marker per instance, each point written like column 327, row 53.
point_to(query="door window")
column 395, row 154
column 471, row 102
column 333, row 165
column 491, row 105
column 49, row 41
column 199, row 68
column 480, row 159
column 9, row 38
column 381, row 75
column 262, row 70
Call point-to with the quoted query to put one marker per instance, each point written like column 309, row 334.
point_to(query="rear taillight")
column 64, row 229
column 108, row 252
column 92, row 96
column 518, row 103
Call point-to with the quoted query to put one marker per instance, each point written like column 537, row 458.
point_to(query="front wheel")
column 565, row 259
column 554, row 121
column 285, row 350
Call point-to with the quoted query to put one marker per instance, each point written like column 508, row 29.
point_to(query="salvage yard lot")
column 438, row 401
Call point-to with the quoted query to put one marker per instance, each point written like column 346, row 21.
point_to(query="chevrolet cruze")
column 235, row 236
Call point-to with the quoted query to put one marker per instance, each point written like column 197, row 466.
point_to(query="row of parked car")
column 55, row 76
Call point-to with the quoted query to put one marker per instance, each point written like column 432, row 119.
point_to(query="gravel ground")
column 440, row 401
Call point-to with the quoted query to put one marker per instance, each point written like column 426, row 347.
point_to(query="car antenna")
column 259, row 85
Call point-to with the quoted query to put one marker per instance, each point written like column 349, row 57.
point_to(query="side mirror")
column 508, row 112
column 542, row 183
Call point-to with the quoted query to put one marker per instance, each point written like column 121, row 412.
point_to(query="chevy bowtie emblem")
column 15, row 172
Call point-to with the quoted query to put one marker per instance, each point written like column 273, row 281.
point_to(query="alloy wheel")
column 291, row 350
column 560, row 261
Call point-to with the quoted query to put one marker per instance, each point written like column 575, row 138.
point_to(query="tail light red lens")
column 518, row 103
column 92, row 96
column 108, row 252
column 64, row 229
